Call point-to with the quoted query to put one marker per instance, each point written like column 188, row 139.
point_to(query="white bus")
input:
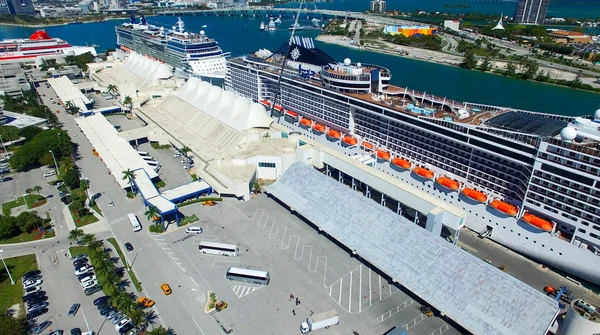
column 135, row 223
column 218, row 249
column 143, row 153
column 250, row 276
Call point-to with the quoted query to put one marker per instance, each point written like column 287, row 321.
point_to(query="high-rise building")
column 531, row 11
column 4, row 10
column 21, row 7
column 378, row 6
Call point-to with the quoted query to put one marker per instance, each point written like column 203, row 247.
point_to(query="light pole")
column 54, row 158
column 3, row 147
column 9, row 276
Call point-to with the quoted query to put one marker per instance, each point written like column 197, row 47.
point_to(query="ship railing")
column 586, row 149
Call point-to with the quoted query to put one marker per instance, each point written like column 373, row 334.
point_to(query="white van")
column 49, row 174
column 193, row 230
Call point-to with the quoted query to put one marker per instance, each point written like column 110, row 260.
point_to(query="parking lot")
column 123, row 122
column 300, row 262
column 172, row 171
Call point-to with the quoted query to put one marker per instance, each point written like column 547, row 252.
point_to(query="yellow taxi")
column 146, row 302
column 166, row 288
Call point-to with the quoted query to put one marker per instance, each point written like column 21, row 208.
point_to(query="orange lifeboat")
column 402, row 163
column 537, row 222
column 319, row 128
column 278, row 108
column 334, row 134
column 291, row 114
column 381, row 154
column 306, row 122
column 448, row 183
column 265, row 103
column 474, row 194
column 349, row 140
column 423, row 172
column 367, row 145
column 504, row 207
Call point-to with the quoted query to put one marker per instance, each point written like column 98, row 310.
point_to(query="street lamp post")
column 54, row 158
column 9, row 276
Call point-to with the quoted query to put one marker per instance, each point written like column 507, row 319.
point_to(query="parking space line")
column 198, row 326
column 380, row 289
column 350, row 292
column 370, row 290
column 440, row 330
column 360, row 290
column 340, row 297
column 394, row 310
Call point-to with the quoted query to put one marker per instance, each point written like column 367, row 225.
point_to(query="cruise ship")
column 188, row 52
column 529, row 181
column 39, row 44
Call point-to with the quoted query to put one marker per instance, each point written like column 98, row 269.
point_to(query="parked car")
column 79, row 263
column 89, row 284
column 31, row 274
column 92, row 290
column 41, row 327
column 33, row 289
column 49, row 174
column 75, row 331
column 106, row 311
column 34, row 295
column 110, row 203
column 78, row 257
column 31, row 283
column 122, row 323
column 111, row 315
column 116, row 318
column 82, row 270
column 73, row 310
column 39, row 305
column 57, row 332
column 125, row 328
column 36, row 300
column 85, row 275
column 146, row 302
column 98, row 301
column 128, row 246
column 87, row 279
column 35, row 313
column 193, row 230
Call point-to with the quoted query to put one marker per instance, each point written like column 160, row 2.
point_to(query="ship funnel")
column 132, row 18
column 143, row 20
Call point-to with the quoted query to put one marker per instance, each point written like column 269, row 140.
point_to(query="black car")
column 100, row 300
column 93, row 289
column 34, row 278
column 126, row 328
column 75, row 331
column 80, row 263
column 31, row 274
column 41, row 327
column 85, row 275
column 34, row 295
column 103, row 305
column 36, row 300
column 128, row 246
column 106, row 311
column 37, row 312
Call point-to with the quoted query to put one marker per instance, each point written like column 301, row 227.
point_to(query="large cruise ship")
column 191, row 53
column 529, row 181
column 39, row 44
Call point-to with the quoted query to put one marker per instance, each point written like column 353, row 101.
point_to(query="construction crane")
column 284, row 61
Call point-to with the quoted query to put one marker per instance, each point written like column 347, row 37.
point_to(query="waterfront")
column 452, row 82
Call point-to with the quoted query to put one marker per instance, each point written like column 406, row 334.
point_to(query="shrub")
column 188, row 219
column 156, row 228
column 130, row 195
column 157, row 146
column 160, row 184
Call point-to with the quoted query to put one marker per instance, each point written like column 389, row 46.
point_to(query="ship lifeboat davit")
column 474, row 194
column 306, row 122
column 367, row 145
column 401, row 163
column 384, row 155
column 291, row 114
column 350, row 141
column 423, row 172
column 265, row 103
column 334, row 134
column 504, row 207
column 319, row 128
column 537, row 222
column 448, row 183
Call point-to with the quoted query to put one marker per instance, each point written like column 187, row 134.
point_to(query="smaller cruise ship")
column 271, row 26
column 37, row 45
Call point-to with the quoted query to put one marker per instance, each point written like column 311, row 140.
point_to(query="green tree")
column 129, row 102
column 542, row 76
column 9, row 133
column 28, row 191
column 152, row 213
column 12, row 325
column 185, row 150
column 486, row 64
column 469, row 60
column 8, row 227
column 37, row 188
column 510, row 69
column 112, row 90
column 29, row 132
column 29, row 221
column 65, row 164
column 35, row 152
column 129, row 176
column 158, row 331
column 75, row 235
column 86, row 239
column 530, row 68
column 595, row 59
column 72, row 178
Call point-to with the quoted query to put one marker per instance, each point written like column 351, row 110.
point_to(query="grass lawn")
column 76, row 251
column 82, row 221
column 11, row 294
column 33, row 200
column 136, row 283
column 27, row 237
column 97, row 209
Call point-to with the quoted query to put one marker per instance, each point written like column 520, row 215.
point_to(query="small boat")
column 319, row 128
column 537, row 222
column 265, row 103
column 204, row 26
column 423, row 172
column 448, row 183
column 384, row 155
column 401, row 163
column 306, row 122
column 367, row 145
column 262, row 26
column 504, row 207
column 291, row 114
column 474, row 194
column 350, row 141
column 271, row 26
column 334, row 134
column 278, row 21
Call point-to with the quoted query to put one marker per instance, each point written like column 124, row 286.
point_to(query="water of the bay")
column 242, row 35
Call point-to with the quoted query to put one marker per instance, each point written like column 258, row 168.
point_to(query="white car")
column 121, row 323
column 110, row 203
column 31, row 283
column 82, row 270
column 87, row 279
column 49, row 174
column 89, row 284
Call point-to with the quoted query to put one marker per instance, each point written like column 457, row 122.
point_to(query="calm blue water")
column 242, row 35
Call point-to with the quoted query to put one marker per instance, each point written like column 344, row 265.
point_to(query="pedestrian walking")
column 293, row 312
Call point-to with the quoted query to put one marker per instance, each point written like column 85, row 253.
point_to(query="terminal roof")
column 476, row 295
column 527, row 123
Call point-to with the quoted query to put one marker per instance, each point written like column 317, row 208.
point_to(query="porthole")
column 543, row 246
column 511, row 231
column 503, row 227
column 526, row 237
column 519, row 234
column 560, row 253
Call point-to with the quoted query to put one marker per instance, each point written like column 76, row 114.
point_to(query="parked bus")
column 218, row 249
column 147, row 158
column 250, row 276
column 143, row 153
column 135, row 223
column 153, row 163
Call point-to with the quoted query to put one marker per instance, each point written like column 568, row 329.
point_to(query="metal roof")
column 527, row 123
column 476, row 295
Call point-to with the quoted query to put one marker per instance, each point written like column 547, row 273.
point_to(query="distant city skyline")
column 531, row 11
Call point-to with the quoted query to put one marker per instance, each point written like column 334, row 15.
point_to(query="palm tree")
column 158, row 331
column 87, row 239
column 69, row 105
column 28, row 191
column 129, row 176
column 94, row 244
column 185, row 150
column 136, row 315
column 112, row 89
column 152, row 213
column 66, row 164
column 75, row 234
column 128, row 101
column 37, row 188
column 257, row 185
